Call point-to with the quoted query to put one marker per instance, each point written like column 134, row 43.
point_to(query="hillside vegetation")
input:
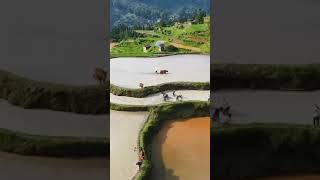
column 133, row 12
column 179, row 38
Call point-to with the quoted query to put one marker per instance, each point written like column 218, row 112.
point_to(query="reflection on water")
column 14, row 167
column 181, row 150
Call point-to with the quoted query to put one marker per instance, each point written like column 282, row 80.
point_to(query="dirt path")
column 186, row 47
column 112, row 45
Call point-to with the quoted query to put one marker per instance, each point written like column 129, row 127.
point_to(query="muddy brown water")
column 181, row 150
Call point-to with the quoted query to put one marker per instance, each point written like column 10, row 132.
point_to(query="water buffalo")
column 100, row 75
column 161, row 71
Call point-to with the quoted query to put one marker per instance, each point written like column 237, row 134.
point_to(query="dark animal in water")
column 179, row 98
column 100, row 75
column 162, row 71
column 216, row 114
column 165, row 97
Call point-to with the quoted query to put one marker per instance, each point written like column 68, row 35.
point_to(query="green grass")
column 258, row 150
column 143, row 92
column 132, row 108
column 34, row 94
column 134, row 47
column 34, row 145
column 158, row 115
column 275, row 77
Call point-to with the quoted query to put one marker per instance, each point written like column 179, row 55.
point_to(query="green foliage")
column 170, row 48
column 132, row 108
column 143, row 92
column 257, row 150
column 122, row 32
column 33, row 94
column 141, row 12
column 158, row 115
column 24, row 144
column 278, row 77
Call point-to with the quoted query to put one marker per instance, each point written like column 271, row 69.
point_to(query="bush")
column 143, row 92
column 251, row 151
column 171, row 48
column 277, row 77
column 34, row 94
column 24, row 144
column 133, row 108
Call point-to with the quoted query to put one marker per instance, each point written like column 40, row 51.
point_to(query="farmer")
column 316, row 116
column 141, row 158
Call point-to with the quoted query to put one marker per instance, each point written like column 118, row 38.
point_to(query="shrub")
column 257, row 150
column 253, row 76
column 34, row 94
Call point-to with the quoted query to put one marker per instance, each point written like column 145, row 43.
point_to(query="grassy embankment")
column 34, row 94
column 143, row 92
column 34, row 145
column 273, row 77
column 258, row 150
column 158, row 115
column 179, row 39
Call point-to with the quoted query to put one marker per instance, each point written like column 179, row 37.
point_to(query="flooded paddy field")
column 156, row 99
column 129, row 72
column 248, row 106
column 124, row 132
column 52, row 123
column 43, row 40
column 267, row 32
column 181, row 150
column 15, row 167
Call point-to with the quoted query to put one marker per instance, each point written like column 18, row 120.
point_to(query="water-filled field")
column 14, row 167
column 125, row 127
column 269, row 31
column 52, row 123
column 249, row 106
column 155, row 99
column 129, row 72
column 56, row 41
column 181, row 150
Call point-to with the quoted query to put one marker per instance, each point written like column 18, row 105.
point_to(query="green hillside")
column 179, row 38
column 133, row 12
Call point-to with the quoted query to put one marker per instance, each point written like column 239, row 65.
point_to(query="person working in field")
column 316, row 116
column 141, row 158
